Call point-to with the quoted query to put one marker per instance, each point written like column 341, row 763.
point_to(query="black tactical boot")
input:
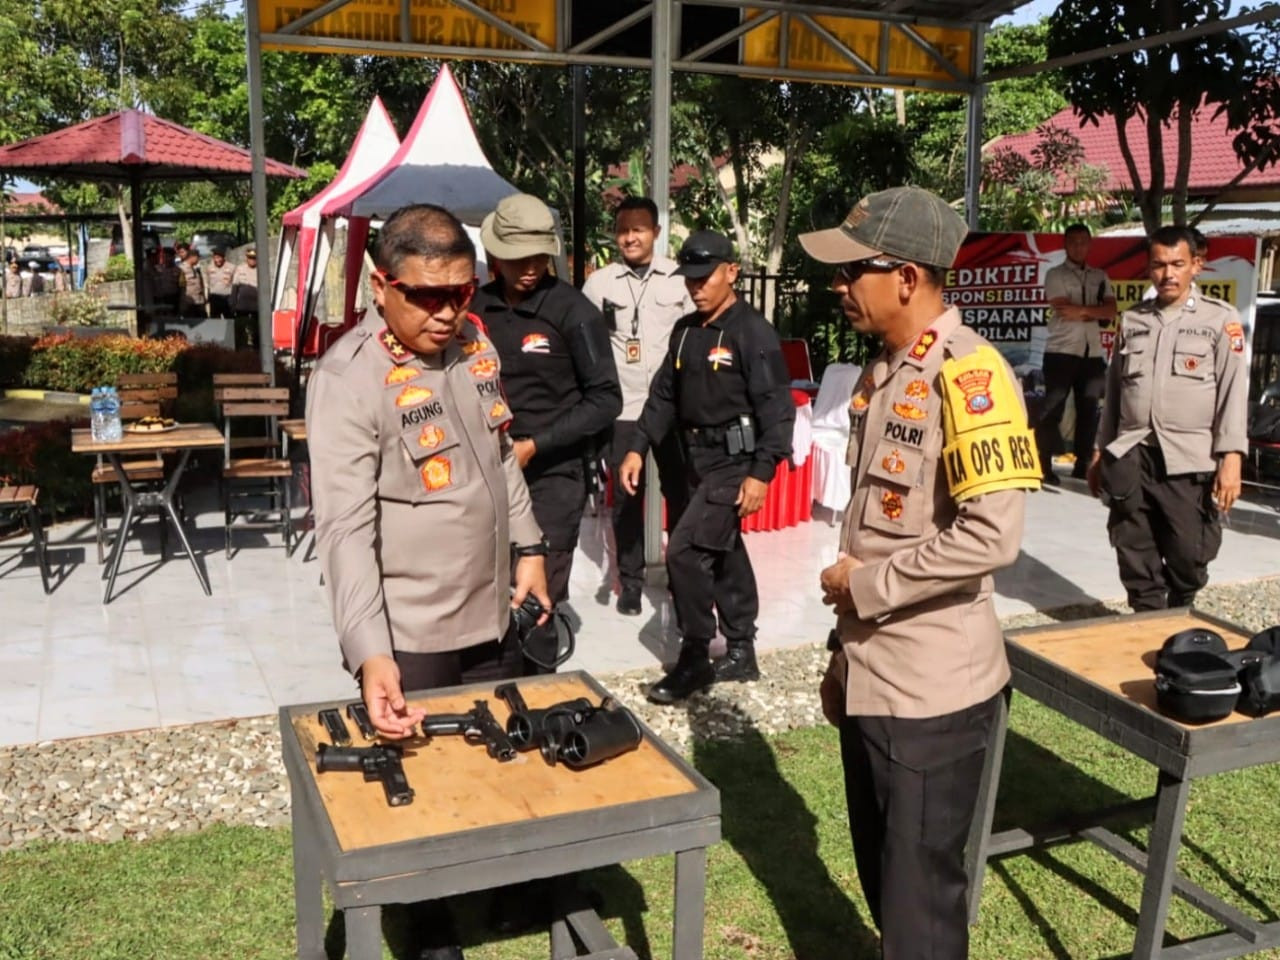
column 691, row 673
column 629, row 600
column 738, row 664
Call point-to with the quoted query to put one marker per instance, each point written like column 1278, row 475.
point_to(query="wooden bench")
column 24, row 497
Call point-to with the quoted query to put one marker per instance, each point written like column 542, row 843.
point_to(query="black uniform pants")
column 708, row 569
column 1165, row 529
column 219, row 305
column 1085, row 379
column 628, row 509
column 559, row 494
column 911, row 786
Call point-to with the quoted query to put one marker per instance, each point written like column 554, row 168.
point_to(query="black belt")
column 706, row 436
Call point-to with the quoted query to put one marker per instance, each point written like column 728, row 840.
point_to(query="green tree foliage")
column 1167, row 85
column 1048, row 192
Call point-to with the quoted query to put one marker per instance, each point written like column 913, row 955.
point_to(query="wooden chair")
column 261, row 476
column 255, row 440
column 24, row 497
column 141, row 395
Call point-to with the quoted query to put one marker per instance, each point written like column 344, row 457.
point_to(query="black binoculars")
column 574, row 732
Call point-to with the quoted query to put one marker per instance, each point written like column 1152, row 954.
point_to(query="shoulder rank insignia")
column 987, row 445
column 430, row 437
column 923, row 345
column 485, row 368
column 862, row 398
column 472, row 347
column 437, row 473
column 391, row 343
column 1235, row 332
column 909, row 411
column 398, row 375
column 412, row 396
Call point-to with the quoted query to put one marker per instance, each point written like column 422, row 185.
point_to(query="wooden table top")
column 1119, row 654
column 184, row 436
column 458, row 787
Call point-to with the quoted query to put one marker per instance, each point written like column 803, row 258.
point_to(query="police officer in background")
column 641, row 299
column 1172, row 437
column 919, row 663
column 723, row 388
column 557, row 371
column 418, row 497
column 244, row 300
column 1074, row 362
column 218, row 276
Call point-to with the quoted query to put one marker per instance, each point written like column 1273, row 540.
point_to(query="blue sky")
column 1031, row 12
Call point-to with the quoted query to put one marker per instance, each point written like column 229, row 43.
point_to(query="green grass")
column 780, row 885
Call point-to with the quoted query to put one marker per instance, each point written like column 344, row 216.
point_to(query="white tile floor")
column 162, row 653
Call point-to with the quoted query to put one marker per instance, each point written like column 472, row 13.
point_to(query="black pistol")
column 381, row 763
column 478, row 725
column 544, row 728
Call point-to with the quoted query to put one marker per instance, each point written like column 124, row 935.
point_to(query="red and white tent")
column 310, row 228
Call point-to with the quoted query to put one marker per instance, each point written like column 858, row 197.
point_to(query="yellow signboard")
column 808, row 50
column 438, row 23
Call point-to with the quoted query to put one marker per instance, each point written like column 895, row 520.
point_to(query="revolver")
column 381, row 763
column 478, row 725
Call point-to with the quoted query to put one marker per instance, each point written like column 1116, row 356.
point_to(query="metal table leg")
column 1162, row 861
column 308, row 889
column 975, row 853
column 691, row 896
column 364, row 932
column 128, row 500
column 166, row 500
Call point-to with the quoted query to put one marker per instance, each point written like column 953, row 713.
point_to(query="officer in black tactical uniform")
column 724, row 387
column 557, row 371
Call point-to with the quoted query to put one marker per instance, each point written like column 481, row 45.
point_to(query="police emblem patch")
column 894, row 463
column 1235, row 332
column 535, row 343
column 474, row 347
column 1190, row 364
column 412, row 396
column 923, row 345
column 976, row 386
column 398, row 375
column 437, row 473
column 909, row 411
column 430, row 437
column 391, row 343
column 485, row 369
column 891, row 504
column 918, row 390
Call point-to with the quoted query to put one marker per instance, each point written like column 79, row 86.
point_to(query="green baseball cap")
column 907, row 223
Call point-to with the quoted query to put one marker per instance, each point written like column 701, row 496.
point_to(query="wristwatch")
column 539, row 549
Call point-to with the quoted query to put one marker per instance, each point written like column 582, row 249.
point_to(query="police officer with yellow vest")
column 1172, row 436
column 941, row 457
column 724, row 387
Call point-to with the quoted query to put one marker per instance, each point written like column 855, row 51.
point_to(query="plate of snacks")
column 152, row 425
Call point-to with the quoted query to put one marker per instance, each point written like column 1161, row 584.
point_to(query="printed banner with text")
column 998, row 283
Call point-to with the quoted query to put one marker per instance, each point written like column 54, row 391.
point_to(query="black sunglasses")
column 851, row 271
column 433, row 297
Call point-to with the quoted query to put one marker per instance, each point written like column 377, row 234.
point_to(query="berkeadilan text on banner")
column 998, row 283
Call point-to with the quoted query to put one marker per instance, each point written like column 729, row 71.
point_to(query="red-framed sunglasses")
column 433, row 297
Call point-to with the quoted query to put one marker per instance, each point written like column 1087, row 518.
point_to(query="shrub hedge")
column 41, row 454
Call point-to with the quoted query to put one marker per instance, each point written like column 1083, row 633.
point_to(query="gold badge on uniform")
column 894, row 463
column 474, row 347
column 437, row 473
column 976, row 386
column 909, row 411
column 430, row 437
column 1236, row 333
column 485, row 369
column 499, row 409
column 633, row 350
column 891, row 504
column 918, row 390
column 1189, row 364
column 399, row 375
column 412, row 396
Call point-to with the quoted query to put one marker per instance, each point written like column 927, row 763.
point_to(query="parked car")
column 42, row 256
column 205, row 241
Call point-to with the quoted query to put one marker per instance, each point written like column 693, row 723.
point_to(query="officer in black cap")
column 724, row 387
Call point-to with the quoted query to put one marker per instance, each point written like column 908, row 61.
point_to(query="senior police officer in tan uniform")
column 941, row 458
column 1172, row 436
column 419, row 500
column 641, row 298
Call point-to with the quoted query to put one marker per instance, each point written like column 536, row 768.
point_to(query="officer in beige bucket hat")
column 558, row 372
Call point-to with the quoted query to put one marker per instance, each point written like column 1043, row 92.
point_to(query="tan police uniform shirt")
column 925, row 640
column 192, row 284
column 219, row 278
column 417, row 493
column 1178, row 376
column 646, row 311
column 1086, row 287
column 244, row 289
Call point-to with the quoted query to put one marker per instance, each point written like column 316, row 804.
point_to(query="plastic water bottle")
column 113, row 430
column 97, row 415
